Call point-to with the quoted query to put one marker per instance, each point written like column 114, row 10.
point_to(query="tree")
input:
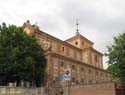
column 116, row 54
column 21, row 57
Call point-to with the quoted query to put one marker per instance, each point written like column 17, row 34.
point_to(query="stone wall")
column 21, row 91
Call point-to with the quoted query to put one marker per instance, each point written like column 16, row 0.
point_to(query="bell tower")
column 79, row 40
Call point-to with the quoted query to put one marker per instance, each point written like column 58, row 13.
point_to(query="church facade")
column 76, row 53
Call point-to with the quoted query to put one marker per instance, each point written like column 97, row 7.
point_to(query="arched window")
column 63, row 49
column 82, row 43
column 76, row 43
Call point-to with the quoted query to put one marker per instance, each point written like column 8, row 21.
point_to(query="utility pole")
column 67, row 77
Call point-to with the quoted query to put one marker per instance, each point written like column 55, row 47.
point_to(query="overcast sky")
column 99, row 20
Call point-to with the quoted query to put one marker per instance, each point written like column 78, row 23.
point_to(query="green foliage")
column 116, row 54
column 114, row 69
column 21, row 57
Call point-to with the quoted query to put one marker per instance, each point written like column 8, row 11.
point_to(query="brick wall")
column 95, row 89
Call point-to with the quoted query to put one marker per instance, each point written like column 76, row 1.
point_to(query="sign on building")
column 62, row 78
column 67, row 75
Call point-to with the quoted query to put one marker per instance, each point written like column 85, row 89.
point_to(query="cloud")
column 99, row 20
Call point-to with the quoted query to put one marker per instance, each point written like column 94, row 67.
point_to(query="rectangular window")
column 82, row 80
column 82, row 69
column 96, row 58
column 90, row 81
column 73, row 67
column 73, row 79
column 62, row 64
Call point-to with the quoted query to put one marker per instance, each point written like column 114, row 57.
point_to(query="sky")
column 99, row 20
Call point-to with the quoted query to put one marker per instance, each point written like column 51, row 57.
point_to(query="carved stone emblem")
column 46, row 45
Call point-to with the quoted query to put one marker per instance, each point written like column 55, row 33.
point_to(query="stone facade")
column 76, row 53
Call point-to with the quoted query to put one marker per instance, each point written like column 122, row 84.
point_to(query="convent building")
column 76, row 53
